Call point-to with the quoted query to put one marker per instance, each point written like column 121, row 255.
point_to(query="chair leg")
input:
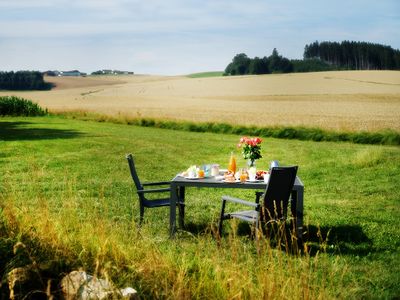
column 141, row 214
column 221, row 218
column 181, row 208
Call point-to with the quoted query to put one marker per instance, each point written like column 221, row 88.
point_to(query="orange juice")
column 232, row 164
column 243, row 177
column 200, row 173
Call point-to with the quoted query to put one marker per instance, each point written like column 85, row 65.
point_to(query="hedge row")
column 385, row 137
column 15, row 106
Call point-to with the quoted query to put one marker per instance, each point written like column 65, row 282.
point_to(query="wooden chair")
column 275, row 200
column 144, row 201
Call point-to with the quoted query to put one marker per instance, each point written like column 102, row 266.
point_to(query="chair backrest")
column 134, row 175
column 278, row 190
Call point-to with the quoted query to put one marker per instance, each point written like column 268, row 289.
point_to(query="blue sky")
column 179, row 36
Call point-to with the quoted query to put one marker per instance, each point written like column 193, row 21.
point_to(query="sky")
column 176, row 37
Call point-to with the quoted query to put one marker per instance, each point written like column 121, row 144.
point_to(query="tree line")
column 23, row 80
column 352, row 55
column 241, row 64
column 324, row 56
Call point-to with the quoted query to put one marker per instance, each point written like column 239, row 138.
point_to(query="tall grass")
column 191, row 267
column 69, row 199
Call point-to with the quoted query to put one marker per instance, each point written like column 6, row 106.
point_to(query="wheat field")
column 339, row 100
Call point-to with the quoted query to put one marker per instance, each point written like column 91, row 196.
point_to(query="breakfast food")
column 260, row 174
column 230, row 179
column 229, row 176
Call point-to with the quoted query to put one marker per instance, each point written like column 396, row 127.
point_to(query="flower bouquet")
column 251, row 149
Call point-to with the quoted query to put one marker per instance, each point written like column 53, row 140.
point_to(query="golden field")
column 345, row 100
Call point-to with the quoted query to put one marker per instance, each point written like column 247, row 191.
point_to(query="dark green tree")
column 259, row 66
column 310, row 65
column 23, row 80
column 239, row 65
column 279, row 64
column 354, row 55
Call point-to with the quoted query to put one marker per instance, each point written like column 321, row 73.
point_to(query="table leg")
column 172, row 209
column 297, row 211
column 181, row 196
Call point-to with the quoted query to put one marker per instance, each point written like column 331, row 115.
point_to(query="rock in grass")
column 80, row 285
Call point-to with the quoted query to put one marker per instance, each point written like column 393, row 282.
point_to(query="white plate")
column 228, row 181
column 192, row 178
column 257, row 180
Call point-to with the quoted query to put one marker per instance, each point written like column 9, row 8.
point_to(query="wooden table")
column 179, row 183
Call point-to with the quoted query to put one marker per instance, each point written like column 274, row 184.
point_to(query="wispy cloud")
column 180, row 36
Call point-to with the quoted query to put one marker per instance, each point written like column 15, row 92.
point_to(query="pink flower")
column 251, row 147
column 252, row 142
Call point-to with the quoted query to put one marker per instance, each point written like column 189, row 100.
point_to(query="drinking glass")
column 252, row 174
column 200, row 173
column 243, row 175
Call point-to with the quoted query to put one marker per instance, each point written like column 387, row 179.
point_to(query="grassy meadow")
column 66, row 198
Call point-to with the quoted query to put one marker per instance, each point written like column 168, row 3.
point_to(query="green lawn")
column 66, row 193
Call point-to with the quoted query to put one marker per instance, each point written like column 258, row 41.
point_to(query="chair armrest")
column 154, row 190
column 156, row 183
column 240, row 201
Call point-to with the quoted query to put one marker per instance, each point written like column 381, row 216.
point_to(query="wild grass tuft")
column 369, row 158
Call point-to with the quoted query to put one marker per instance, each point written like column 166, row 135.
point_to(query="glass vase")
column 251, row 163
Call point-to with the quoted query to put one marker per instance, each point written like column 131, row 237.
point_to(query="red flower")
column 257, row 140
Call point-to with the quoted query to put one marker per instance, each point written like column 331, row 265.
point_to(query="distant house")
column 117, row 72
column 111, row 72
column 70, row 73
column 51, row 73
